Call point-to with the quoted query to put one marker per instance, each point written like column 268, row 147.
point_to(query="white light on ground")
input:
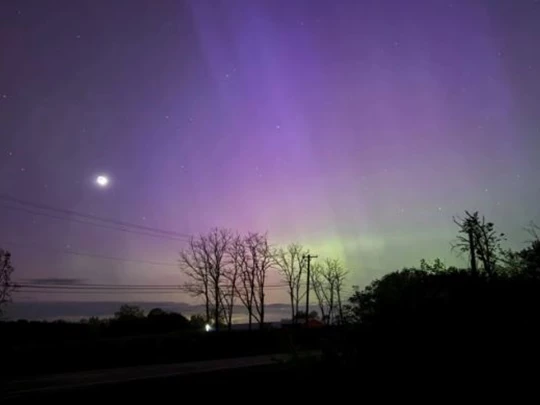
column 207, row 328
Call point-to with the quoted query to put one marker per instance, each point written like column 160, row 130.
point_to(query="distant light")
column 102, row 181
column 207, row 328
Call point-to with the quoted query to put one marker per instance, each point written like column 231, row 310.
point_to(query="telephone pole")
column 308, row 257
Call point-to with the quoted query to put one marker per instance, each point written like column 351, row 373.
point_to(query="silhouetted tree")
column 433, row 268
column 301, row 315
column 195, row 264
column 327, row 282
column 156, row 312
column 479, row 239
column 526, row 262
column 245, row 281
column 261, row 260
column 129, row 312
column 197, row 321
column 231, row 276
column 335, row 276
column 164, row 321
column 292, row 268
column 6, row 286
column 205, row 263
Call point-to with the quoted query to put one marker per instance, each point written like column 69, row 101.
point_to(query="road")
column 89, row 379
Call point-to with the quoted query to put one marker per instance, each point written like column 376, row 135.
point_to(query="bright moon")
column 102, row 181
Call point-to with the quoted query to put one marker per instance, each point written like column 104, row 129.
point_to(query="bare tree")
column 231, row 276
column 327, row 281
column 338, row 275
column 195, row 265
column 321, row 290
column 205, row 263
column 292, row 268
column 245, row 283
column 479, row 239
column 261, row 260
column 6, row 286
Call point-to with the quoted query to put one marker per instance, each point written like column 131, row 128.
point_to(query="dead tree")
column 6, row 286
column 292, row 269
column 479, row 239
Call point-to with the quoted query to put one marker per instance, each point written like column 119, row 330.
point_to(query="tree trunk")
column 292, row 308
column 472, row 252
column 340, row 308
column 216, row 308
column 261, row 320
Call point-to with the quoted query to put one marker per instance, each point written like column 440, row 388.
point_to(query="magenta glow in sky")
column 356, row 127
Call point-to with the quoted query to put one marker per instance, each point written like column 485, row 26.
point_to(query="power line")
column 28, row 211
column 83, row 286
column 93, row 217
column 87, row 287
column 97, row 256
column 32, row 291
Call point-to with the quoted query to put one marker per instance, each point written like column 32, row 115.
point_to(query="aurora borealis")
column 358, row 128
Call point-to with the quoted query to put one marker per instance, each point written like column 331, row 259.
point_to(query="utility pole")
column 308, row 257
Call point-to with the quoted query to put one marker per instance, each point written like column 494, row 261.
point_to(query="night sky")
column 358, row 128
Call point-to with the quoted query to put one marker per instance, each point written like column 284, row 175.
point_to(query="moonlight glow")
column 102, row 181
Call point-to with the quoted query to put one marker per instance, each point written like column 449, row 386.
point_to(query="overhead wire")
column 105, row 223
column 92, row 217
column 86, row 254
column 104, row 226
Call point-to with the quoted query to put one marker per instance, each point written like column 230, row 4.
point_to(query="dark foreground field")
column 317, row 381
column 237, row 383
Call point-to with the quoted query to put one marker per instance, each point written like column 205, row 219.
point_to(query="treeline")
column 499, row 289
column 225, row 269
column 129, row 320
